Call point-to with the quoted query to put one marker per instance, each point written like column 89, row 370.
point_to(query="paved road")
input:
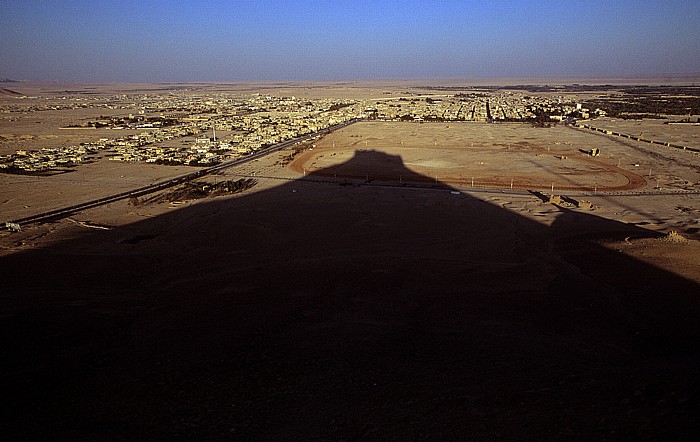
column 155, row 187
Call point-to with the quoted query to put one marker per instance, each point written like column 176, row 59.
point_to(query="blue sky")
column 132, row 41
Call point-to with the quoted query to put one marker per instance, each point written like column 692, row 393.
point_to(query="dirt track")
column 527, row 176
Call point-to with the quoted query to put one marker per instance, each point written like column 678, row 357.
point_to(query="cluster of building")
column 263, row 121
column 492, row 107
column 30, row 161
column 249, row 123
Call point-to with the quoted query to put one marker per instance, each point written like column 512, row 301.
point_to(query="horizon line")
column 478, row 80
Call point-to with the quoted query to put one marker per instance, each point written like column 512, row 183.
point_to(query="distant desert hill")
column 10, row 92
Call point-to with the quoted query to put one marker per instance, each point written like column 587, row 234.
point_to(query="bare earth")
column 351, row 296
column 478, row 155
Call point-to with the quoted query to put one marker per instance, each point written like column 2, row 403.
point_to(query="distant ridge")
column 10, row 92
column 8, row 80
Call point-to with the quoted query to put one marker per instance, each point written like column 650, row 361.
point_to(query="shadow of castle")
column 319, row 311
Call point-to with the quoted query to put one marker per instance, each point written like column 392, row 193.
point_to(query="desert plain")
column 389, row 280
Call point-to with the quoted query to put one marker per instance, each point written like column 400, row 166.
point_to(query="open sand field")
column 335, row 300
column 46, row 129
column 681, row 133
column 25, row 195
column 477, row 155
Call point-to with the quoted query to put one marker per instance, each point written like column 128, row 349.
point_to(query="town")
column 183, row 129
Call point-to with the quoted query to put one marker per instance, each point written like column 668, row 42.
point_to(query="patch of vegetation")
column 14, row 170
column 296, row 150
column 637, row 102
column 162, row 162
column 339, row 106
column 193, row 190
column 640, row 116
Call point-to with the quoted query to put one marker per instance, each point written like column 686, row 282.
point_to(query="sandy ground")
column 313, row 308
column 482, row 155
column 325, row 311
column 656, row 129
column 47, row 129
column 25, row 195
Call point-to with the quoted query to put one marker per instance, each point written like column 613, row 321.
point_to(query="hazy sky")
column 131, row 41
